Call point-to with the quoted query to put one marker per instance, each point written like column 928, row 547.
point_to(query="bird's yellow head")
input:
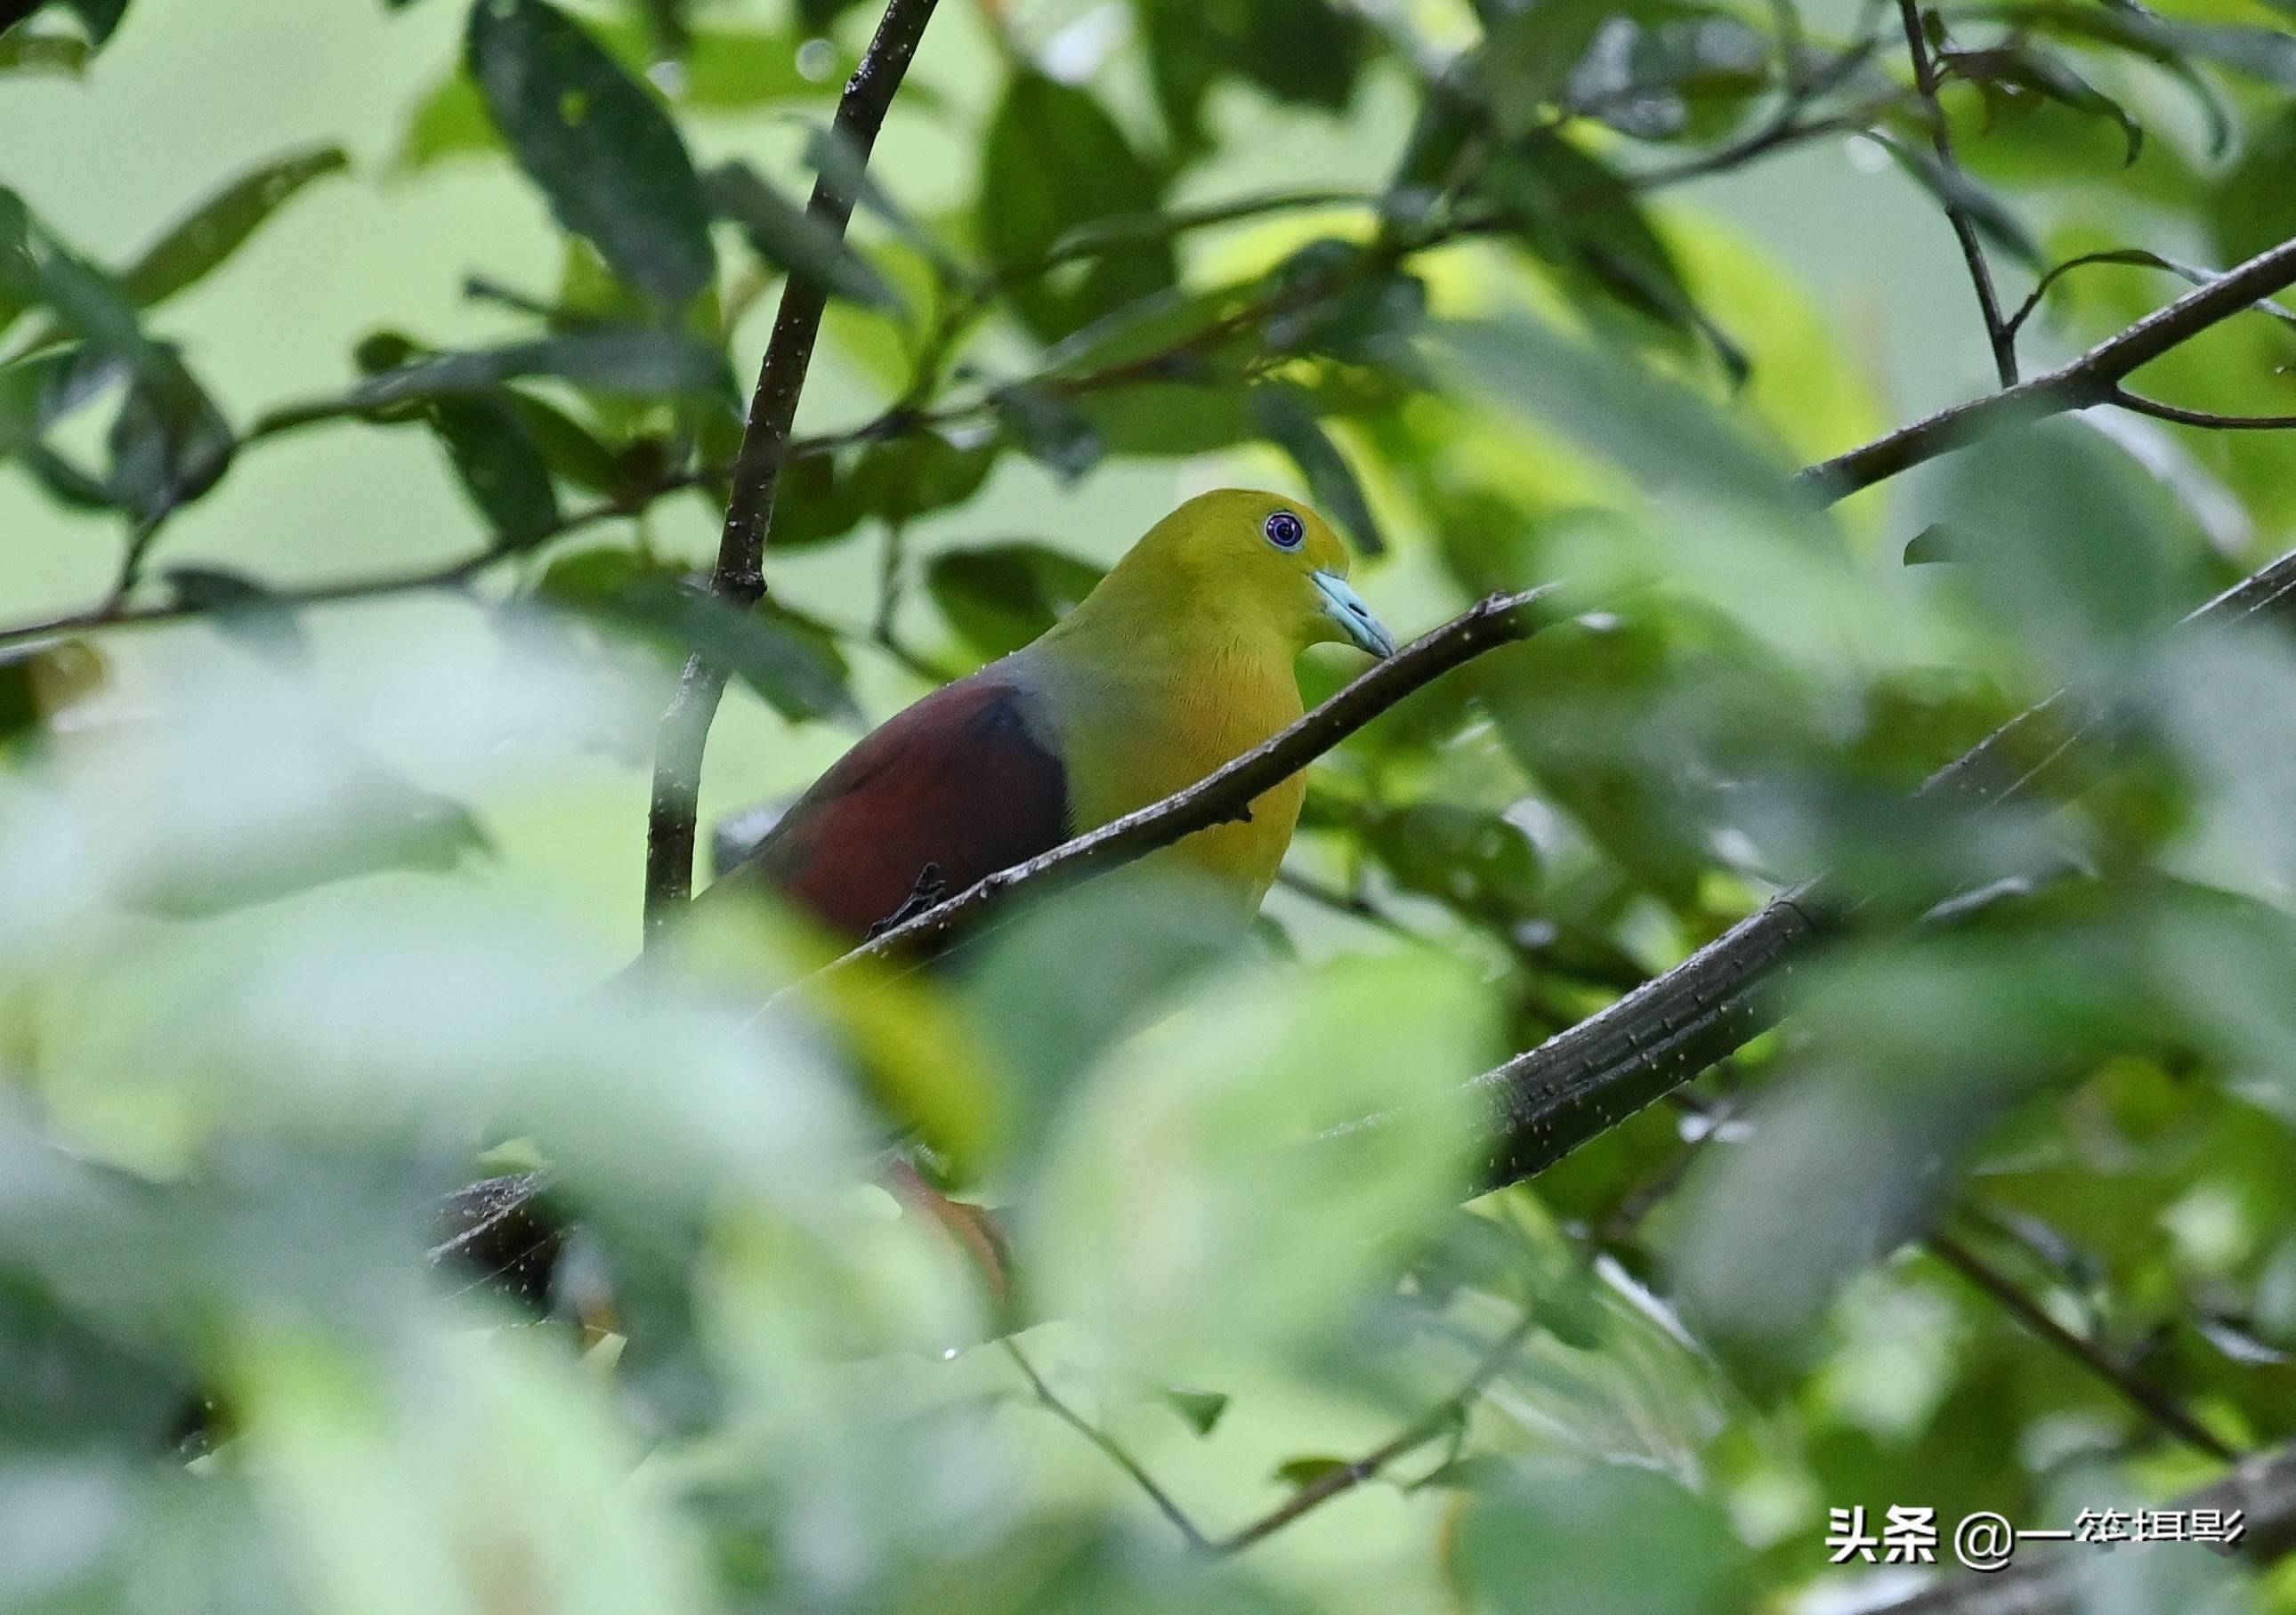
column 1252, row 560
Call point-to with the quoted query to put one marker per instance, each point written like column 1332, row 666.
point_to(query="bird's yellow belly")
column 1180, row 744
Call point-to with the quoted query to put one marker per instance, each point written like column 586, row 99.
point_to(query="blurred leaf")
column 221, row 224
column 1307, row 51
column 241, row 609
column 627, row 362
column 1049, row 430
column 2067, row 544
column 1307, row 1470
column 1284, row 414
column 2038, row 73
column 1559, row 1537
column 790, row 662
column 920, row 473
column 599, row 146
column 1192, row 1201
column 57, row 54
column 1953, row 188
column 785, row 235
column 1650, row 76
column 1052, row 161
column 1660, row 431
column 1000, row 597
column 1201, row 1408
column 1527, row 55
column 1577, row 214
column 500, row 465
column 169, row 444
column 99, row 20
column 2252, row 209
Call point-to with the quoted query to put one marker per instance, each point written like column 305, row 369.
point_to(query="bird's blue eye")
column 1285, row 530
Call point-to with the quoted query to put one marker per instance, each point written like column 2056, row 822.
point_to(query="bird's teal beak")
column 1345, row 607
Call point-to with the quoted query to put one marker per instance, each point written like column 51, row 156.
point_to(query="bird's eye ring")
column 1285, row 530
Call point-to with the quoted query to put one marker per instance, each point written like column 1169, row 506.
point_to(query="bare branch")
column 1541, row 1105
column 2199, row 417
column 1114, row 1450
column 739, row 576
column 116, row 613
column 2000, row 334
column 1427, row 1426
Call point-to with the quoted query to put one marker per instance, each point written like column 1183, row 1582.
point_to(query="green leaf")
column 1309, row 1469
column 1050, row 431
column 1000, row 597
column 2254, row 207
column 599, row 147
column 1201, row 1408
column 99, row 20
column 791, row 662
column 218, row 226
column 1953, row 188
column 1578, row 216
column 243, row 609
column 721, row 69
column 1053, row 161
column 169, row 444
column 1561, row 1537
column 1308, row 52
column 1527, row 55
column 624, row 362
column 1662, row 76
column 57, row 54
column 500, row 465
column 2040, row 74
column 1286, row 418
column 787, row 236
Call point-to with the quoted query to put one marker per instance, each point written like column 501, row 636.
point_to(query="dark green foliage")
column 602, row 150
column 1995, row 1168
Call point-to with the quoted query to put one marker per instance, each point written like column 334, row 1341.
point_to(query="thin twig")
column 2148, row 1399
column 115, row 613
column 739, row 576
column 2000, row 333
column 1427, row 1426
column 2199, row 417
column 1114, row 1449
column 2092, row 378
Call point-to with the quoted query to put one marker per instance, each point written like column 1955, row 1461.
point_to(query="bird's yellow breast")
column 1160, row 725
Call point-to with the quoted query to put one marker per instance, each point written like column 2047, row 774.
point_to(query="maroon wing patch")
column 956, row 780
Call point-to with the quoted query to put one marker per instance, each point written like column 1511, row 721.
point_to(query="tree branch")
column 2093, row 378
column 2262, row 1491
column 2000, row 333
column 1541, row 1105
column 739, row 576
column 115, row 613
